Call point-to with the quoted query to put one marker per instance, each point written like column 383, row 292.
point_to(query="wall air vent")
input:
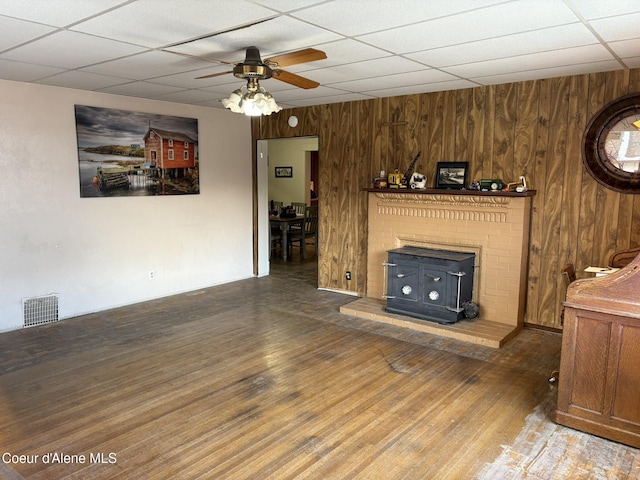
column 40, row 310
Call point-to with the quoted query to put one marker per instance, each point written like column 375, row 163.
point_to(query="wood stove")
column 429, row 284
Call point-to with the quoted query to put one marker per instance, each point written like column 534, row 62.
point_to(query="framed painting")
column 123, row 153
column 284, row 172
column 452, row 175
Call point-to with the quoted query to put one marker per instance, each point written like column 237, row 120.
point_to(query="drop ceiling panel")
column 25, row 72
column 67, row 49
column 140, row 89
column 548, row 39
column 371, row 68
column 536, row 61
column 147, row 65
column 298, row 35
column 490, row 22
column 400, row 80
column 59, row 13
column 522, row 76
column 592, row 9
column 15, row 32
column 81, row 80
column 623, row 27
column 375, row 48
column 154, row 23
column 353, row 18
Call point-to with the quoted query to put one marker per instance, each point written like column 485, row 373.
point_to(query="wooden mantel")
column 493, row 225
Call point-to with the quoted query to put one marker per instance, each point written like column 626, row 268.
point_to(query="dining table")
column 285, row 224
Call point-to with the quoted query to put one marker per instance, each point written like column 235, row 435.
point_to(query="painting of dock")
column 123, row 153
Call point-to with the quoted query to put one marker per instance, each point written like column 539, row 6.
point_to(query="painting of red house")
column 173, row 153
column 124, row 153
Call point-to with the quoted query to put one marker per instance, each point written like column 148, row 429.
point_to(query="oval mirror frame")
column 607, row 142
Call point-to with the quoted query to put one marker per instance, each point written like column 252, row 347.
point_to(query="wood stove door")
column 403, row 281
column 435, row 287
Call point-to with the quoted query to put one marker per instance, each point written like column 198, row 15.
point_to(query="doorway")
column 300, row 158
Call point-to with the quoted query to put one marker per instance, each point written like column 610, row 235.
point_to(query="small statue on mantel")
column 418, row 181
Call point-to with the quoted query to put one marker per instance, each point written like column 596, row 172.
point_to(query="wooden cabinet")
column 599, row 382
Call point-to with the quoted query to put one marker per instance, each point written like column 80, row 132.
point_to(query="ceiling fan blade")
column 214, row 75
column 295, row 80
column 295, row 58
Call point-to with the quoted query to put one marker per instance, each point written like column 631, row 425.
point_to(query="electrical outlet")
column 347, row 275
column 152, row 274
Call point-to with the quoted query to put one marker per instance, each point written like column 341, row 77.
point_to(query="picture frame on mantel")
column 452, row 175
column 284, row 172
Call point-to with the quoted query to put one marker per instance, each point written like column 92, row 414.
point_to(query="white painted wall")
column 96, row 252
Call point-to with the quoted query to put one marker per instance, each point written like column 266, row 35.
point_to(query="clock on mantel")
column 611, row 145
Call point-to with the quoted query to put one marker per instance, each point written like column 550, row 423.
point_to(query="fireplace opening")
column 429, row 284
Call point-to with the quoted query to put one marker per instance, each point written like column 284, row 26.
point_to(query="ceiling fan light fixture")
column 252, row 100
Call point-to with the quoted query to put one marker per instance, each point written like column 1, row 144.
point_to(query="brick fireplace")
column 493, row 225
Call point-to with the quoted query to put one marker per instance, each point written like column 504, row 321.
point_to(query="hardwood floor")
column 265, row 379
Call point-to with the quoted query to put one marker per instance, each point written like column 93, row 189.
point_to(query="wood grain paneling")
column 533, row 128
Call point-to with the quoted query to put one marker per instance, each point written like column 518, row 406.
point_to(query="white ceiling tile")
column 342, row 52
column 536, row 61
column 591, row 9
column 633, row 62
column 55, row 12
column 345, row 97
column 15, row 32
column 185, row 96
column 553, row 38
column 367, row 69
column 140, row 89
column 563, row 71
column 81, row 80
column 357, row 17
column 287, row 5
column 231, row 46
column 66, row 49
column 614, row 29
column 155, row 23
column 626, row 48
column 148, row 65
column 25, row 72
column 189, row 80
column 495, row 21
column 410, row 79
column 426, row 88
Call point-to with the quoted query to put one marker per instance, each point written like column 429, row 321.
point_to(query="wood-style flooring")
column 265, row 379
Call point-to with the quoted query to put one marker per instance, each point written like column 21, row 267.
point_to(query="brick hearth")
column 494, row 226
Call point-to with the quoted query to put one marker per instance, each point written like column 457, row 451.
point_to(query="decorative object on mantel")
column 396, row 180
column 381, row 181
column 491, row 185
column 418, row 181
column 520, row 186
column 452, row 175
column 408, row 176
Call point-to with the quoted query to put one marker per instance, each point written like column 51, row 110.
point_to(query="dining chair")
column 299, row 207
column 309, row 230
column 275, row 239
column 276, row 206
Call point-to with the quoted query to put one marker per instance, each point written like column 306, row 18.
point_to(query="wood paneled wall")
column 531, row 128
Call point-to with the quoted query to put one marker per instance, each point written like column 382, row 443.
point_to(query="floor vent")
column 40, row 310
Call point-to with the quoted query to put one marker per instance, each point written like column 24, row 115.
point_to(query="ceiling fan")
column 253, row 67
